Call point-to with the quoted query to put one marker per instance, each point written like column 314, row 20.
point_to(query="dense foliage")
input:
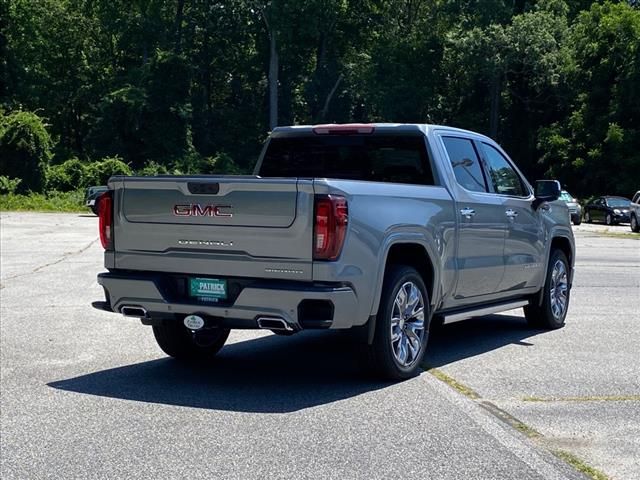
column 25, row 149
column 195, row 85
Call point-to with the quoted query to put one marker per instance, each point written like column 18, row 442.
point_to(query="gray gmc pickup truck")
column 384, row 228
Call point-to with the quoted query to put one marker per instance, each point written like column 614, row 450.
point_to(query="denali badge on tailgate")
column 197, row 210
column 205, row 243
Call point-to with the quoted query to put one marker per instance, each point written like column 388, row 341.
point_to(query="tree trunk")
column 178, row 26
column 494, row 115
column 315, row 96
column 273, row 81
column 325, row 109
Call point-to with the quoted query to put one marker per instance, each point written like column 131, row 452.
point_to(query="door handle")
column 511, row 213
column 467, row 212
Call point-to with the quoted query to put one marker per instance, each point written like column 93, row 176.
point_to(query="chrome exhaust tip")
column 274, row 324
column 133, row 311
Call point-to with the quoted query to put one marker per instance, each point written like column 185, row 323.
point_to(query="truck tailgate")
column 220, row 226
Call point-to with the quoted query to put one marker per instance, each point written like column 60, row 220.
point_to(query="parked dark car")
column 575, row 210
column 634, row 214
column 91, row 197
column 610, row 210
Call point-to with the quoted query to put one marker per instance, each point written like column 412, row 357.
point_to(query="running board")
column 479, row 312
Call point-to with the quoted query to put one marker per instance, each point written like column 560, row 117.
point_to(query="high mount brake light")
column 105, row 219
column 330, row 228
column 344, row 129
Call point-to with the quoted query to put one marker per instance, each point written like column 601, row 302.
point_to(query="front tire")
column 608, row 219
column 577, row 220
column 552, row 312
column 587, row 217
column 402, row 324
column 633, row 222
column 179, row 342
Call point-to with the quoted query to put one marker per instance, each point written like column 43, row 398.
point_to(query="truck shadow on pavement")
column 476, row 336
column 275, row 374
column 270, row 374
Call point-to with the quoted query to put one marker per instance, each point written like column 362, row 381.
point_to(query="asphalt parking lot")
column 578, row 387
column 88, row 394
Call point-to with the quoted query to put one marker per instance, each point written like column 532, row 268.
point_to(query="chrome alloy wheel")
column 407, row 324
column 559, row 289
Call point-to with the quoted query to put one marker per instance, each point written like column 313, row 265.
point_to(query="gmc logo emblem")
column 197, row 210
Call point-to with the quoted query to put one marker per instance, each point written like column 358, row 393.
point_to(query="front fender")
column 565, row 233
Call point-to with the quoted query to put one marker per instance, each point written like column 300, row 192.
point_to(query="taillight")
column 105, row 218
column 331, row 219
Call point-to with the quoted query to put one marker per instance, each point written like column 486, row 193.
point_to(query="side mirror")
column 546, row 191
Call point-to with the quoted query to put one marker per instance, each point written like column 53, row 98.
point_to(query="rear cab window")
column 377, row 158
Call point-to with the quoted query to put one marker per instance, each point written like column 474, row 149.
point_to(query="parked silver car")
column 575, row 210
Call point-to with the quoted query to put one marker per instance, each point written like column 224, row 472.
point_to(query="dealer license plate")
column 208, row 289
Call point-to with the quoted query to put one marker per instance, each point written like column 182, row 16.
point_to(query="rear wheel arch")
column 412, row 254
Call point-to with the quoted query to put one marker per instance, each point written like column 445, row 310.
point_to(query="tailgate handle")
column 203, row 188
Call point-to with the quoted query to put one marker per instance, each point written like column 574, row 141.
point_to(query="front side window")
column 504, row 178
column 465, row 163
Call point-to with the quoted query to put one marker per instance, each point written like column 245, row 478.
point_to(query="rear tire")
column 179, row 342
column 577, row 220
column 402, row 324
column 551, row 314
column 587, row 217
column 633, row 222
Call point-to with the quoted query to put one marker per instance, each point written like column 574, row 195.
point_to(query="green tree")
column 98, row 173
column 68, row 176
column 173, row 83
column 25, row 149
column 221, row 164
column 508, row 80
column 596, row 147
column 54, row 65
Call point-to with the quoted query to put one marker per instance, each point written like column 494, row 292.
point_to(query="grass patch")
column 579, row 465
column 614, row 233
column 592, row 398
column 511, row 420
column 463, row 389
column 38, row 202
column 633, row 236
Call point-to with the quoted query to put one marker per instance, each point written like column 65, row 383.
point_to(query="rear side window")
column 379, row 158
column 504, row 178
column 465, row 163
